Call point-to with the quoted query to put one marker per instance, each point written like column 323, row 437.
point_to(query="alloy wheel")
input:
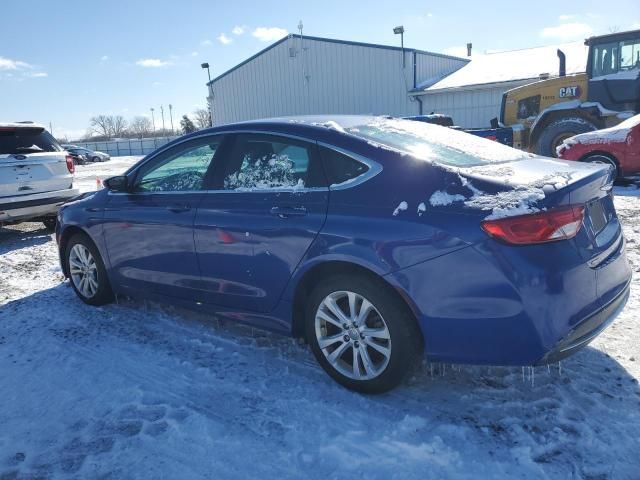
column 352, row 335
column 83, row 270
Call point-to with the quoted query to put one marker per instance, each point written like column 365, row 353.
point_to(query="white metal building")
column 472, row 95
column 310, row 75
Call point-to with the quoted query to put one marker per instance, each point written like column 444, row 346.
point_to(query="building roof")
column 331, row 40
column 525, row 64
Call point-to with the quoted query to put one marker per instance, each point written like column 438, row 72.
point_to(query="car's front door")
column 149, row 230
column 256, row 223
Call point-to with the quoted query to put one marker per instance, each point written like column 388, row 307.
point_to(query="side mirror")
column 117, row 184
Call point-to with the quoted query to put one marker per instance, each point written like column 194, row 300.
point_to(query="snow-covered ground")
column 132, row 390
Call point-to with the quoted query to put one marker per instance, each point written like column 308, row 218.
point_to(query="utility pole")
column 162, row 113
column 171, row 117
column 51, row 129
column 153, row 120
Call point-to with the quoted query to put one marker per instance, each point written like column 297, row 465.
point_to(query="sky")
column 64, row 61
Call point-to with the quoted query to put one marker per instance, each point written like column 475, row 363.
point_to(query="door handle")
column 178, row 208
column 286, row 212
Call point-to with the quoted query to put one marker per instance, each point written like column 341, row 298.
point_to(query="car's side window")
column 270, row 162
column 182, row 169
column 340, row 168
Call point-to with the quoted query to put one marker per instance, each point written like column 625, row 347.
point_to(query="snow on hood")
column 616, row 134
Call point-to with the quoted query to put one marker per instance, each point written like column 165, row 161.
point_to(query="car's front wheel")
column 87, row 272
column 96, row 159
column 361, row 334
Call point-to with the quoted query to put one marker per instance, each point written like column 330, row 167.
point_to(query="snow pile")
column 518, row 201
column 441, row 198
column 403, row 206
column 615, row 134
column 275, row 171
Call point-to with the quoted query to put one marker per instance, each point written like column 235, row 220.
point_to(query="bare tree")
column 101, row 125
column 202, row 118
column 118, row 125
column 140, row 127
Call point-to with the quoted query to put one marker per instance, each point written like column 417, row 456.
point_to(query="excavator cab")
column 613, row 69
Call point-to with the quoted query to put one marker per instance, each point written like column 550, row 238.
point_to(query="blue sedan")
column 377, row 240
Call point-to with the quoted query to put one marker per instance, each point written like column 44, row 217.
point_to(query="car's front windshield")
column 435, row 143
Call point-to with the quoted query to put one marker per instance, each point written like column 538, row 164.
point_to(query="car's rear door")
column 254, row 225
column 149, row 229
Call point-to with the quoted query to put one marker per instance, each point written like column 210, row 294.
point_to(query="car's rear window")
column 26, row 140
column 435, row 143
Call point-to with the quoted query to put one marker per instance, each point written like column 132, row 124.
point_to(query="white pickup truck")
column 36, row 174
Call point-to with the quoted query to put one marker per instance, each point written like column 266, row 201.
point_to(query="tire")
column 50, row 224
column 396, row 333
column 556, row 132
column 602, row 158
column 96, row 159
column 96, row 290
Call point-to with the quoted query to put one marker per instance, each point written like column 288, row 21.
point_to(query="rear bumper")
column 588, row 329
column 23, row 207
column 495, row 305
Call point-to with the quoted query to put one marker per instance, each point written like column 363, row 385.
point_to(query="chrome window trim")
column 374, row 167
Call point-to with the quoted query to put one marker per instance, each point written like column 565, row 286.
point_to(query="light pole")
column 153, row 120
column 210, row 97
column 162, row 113
column 171, row 117
column 399, row 30
column 206, row 65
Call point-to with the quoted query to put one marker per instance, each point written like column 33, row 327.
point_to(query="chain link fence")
column 133, row 146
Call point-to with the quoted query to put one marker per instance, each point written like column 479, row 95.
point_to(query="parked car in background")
column 498, row 134
column 617, row 146
column 78, row 158
column 375, row 239
column 91, row 155
column 36, row 174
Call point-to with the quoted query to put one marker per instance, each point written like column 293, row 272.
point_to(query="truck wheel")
column 557, row 132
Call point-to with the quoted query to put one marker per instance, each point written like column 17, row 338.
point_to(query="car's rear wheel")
column 361, row 334
column 603, row 159
column 87, row 272
column 49, row 223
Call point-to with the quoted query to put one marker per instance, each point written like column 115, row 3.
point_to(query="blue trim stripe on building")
column 332, row 40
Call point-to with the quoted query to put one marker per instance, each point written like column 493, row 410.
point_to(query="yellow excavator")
column 544, row 113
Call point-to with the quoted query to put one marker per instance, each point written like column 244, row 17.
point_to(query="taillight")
column 70, row 165
column 559, row 223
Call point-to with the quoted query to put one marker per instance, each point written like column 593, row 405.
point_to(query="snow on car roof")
column 514, row 65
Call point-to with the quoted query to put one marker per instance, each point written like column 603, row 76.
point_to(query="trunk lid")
column 534, row 184
column 33, row 173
